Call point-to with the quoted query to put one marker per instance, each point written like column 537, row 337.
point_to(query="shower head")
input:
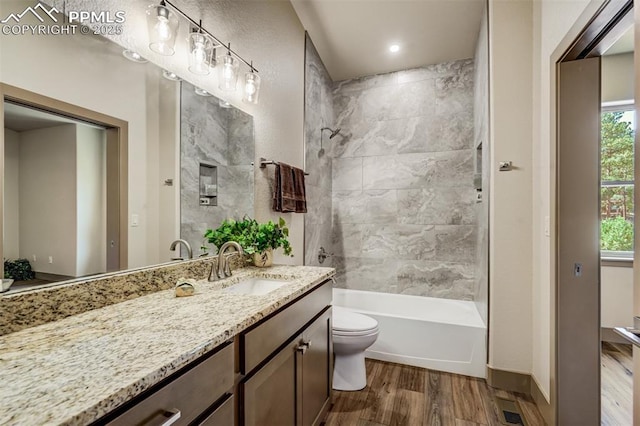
column 334, row 133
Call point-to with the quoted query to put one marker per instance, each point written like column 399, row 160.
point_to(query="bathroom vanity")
column 216, row 358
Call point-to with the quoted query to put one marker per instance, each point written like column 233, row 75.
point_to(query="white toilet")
column 352, row 334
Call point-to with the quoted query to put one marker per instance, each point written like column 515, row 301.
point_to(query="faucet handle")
column 213, row 275
column 227, row 267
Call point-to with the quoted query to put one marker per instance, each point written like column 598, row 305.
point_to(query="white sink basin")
column 256, row 286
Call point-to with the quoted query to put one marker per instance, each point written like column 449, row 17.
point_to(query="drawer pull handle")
column 303, row 347
column 164, row 418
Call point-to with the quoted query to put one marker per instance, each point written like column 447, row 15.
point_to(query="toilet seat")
column 348, row 323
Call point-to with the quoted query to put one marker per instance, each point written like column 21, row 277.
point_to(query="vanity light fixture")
column 134, row 56
column 162, row 26
column 201, row 48
column 170, row 75
column 202, row 92
column 251, row 87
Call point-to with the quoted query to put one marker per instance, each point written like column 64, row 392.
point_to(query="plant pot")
column 263, row 259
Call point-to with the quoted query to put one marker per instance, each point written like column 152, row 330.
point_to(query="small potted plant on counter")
column 257, row 239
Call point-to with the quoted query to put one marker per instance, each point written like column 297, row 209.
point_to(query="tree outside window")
column 617, row 175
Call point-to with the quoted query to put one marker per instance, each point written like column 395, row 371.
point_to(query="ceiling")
column 19, row 118
column 353, row 36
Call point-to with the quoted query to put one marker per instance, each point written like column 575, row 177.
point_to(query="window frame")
column 611, row 257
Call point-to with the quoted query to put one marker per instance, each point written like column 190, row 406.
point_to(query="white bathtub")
column 439, row 334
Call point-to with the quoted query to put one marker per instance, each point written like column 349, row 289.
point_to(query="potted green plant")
column 257, row 239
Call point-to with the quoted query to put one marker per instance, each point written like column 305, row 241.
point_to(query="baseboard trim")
column 544, row 406
column 521, row 383
column 509, row 381
column 52, row 277
column 608, row 335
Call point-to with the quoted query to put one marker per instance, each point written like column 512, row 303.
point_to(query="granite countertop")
column 75, row 370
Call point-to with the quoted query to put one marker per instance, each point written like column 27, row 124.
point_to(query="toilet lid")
column 346, row 320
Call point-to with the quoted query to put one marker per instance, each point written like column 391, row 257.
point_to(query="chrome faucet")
column 186, row 245
column 224, row 270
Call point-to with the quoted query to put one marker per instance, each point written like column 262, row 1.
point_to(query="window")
column 617, row 181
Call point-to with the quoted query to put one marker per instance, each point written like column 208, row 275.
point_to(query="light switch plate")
column 135, row 220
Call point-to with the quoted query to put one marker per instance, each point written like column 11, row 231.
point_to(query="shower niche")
column 208, row 185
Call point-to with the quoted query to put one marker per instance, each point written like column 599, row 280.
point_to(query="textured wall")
column 318, row 114
column 404, row 219
column 222, row 137
column 483, row 167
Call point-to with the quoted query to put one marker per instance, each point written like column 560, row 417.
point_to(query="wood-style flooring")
column 403, row 395
column 616, row 391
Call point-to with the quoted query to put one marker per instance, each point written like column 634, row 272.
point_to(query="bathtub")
column 438, row 334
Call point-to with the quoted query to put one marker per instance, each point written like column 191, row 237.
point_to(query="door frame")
column 594, row 31
column 117, row 132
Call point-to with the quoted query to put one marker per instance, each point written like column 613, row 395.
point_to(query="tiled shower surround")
column 217, row 136
column 403, row 216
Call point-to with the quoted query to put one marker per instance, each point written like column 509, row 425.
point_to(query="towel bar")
column 264, row 163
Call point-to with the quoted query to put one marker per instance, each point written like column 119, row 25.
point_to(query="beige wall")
column 616, row 297
column 91, row 178
column 47, row 214
column 11, row 224
column 510, row 321
column 617, row 77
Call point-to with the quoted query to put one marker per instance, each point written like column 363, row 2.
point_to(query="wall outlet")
column 35, row 259
column 50, row 259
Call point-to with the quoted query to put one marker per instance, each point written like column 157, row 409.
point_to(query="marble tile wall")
column 404, row 217
column 217, row 136
column 318, row 162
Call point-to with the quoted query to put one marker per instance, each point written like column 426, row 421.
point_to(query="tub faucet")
column 224, row 270
column 186, row 245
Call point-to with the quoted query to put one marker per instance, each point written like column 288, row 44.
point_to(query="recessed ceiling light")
column 394, row 48
column 170, row 75
column 134, row 56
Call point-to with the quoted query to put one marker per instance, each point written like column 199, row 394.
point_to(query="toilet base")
column 349, row 372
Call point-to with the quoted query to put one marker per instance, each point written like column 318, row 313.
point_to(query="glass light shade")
column 170, row 75
column 228, row 73
column 201, row 92
column 134, row 56
column 201, row 48
column 224, row 104
column 251, row 88
column 162, row 26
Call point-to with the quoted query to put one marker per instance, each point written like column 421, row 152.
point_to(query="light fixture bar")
column 197, row 25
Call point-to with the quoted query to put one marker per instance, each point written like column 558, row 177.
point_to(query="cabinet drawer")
column 191, row 393
column 222, row 416
column 262, row 340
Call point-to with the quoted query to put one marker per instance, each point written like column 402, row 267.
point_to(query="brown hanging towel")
column 289, row 194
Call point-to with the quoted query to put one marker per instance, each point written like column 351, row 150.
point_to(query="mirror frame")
column 117, row 132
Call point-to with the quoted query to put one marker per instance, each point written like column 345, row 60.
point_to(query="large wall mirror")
column 188, row 159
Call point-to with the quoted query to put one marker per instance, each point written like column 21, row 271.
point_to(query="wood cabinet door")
column 270, row 394
column 316, row 369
